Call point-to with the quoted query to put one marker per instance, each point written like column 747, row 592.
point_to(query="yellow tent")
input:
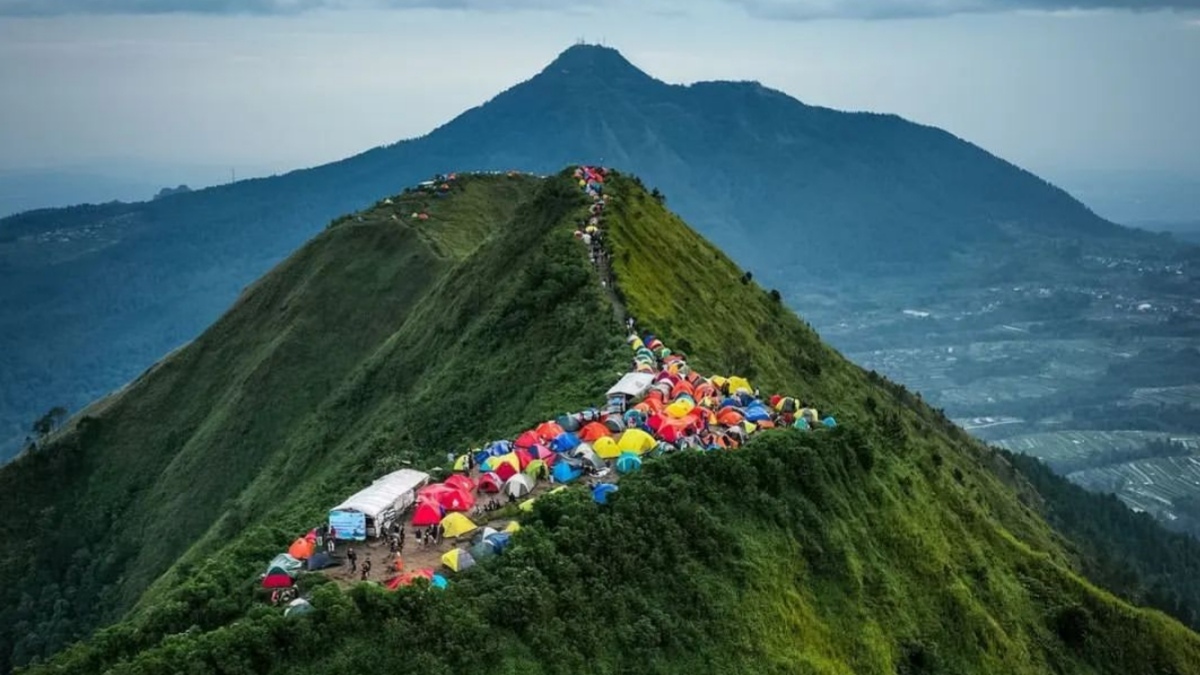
column 511, row 458
column 636, row 440
column 606, row 448
column 557, row 490
column 455, row 558
column 717, row 381
column 527, row 505
column 738, row 383
column 637, row 343
column 534, row 467
column 810, row 414
column 680, row 408
column 460, row 464
column 512, row 526
column 456, row 524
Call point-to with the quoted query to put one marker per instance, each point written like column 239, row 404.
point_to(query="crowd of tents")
column 660, row 406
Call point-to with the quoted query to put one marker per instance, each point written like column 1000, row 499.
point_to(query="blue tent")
column 628, row 462
column 829, row 422
column 600, row 492
column 565, row 443
column 568, row 422
column 565, row 473
column 499, row 541
column 757, row 413
column 801, row 424
column 439, row 581
column 497, row 448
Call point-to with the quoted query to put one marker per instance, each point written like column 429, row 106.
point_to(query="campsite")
column 405, row 526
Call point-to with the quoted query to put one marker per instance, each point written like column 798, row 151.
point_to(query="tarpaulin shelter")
column 458, row 559
column 383, row 499
column 320, row 560
column 456, row 525
column 633, row 385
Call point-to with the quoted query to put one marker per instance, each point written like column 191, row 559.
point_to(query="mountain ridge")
column 890, row 544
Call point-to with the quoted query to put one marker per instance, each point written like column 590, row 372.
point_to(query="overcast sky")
column 1051, row 85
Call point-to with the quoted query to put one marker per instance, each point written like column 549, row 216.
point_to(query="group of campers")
column 661, row 406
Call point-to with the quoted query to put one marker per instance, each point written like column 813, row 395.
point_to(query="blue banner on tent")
column 348, row 525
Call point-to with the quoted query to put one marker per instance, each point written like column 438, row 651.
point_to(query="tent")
column 320, row 560
column 628, row 463
column 482, row 551
column 490, row 482
column 606, row 448
column 601, row 491
column 456, row 525
column 737, row 384
column 449, row 497
column 829, row 422
column 631, row 384
column 565, row 442
column 512, row 526
column 569, row 423
column 458, row 559
column 801, row 424
column 498, row 541
column 527, row 440
column 297, row 607
column 757, row 413
column 594, row 431
column 407, row 579
column 460, row 462
column 635, row 441
column 565, row 473
column 301, row 549
column 535, row 469
column 427, row 513
column 461, row 482
column 586, row 456
column 438, row 581
column 395, row 491
column 277, row 581
column 549, row 431
column 518, row 486
column 284, row 564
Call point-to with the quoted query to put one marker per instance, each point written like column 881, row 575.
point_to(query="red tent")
column 490, row 482
column 594, row 431
column 549, row 431
column 448, row 497
column 407, row 578
column 427, row 513
column 277, row 581
column 524, row 458
column 527, row 440
column 461, row 482
column 505, row 471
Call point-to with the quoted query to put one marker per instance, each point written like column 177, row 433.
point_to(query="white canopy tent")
column 632, row 384
column 391, row 493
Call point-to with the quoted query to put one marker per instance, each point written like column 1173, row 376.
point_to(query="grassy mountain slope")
column 92, row 295
column 892, row 544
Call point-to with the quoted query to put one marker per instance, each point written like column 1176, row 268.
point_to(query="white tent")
column 397, row 490
column 632, row 384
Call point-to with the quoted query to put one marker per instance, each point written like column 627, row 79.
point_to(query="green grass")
column 894, row 544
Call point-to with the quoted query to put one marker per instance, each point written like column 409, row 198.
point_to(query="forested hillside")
column 891, row 544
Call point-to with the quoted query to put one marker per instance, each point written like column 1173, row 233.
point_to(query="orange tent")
column 594, row 431
column 301, row 549
column 549, row 431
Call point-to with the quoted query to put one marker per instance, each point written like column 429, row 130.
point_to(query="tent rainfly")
column 632, row 384
column 396, row 490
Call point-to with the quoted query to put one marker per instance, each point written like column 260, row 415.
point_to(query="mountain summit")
column 452, row 316
column 807, row 197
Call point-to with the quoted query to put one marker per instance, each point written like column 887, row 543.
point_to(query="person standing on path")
column 353, row 558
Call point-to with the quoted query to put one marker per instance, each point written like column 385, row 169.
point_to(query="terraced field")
column 1069, row 445
column 1148, row 485
column 1188, row 394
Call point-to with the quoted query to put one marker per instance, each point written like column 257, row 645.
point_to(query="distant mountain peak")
column 593, row 61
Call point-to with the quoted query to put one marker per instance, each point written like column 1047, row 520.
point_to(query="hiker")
column 331, row 545
column 353, row 558
column 420, row 540
column 366, row 568
column 400, row 537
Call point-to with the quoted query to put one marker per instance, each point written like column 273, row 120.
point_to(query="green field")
column 1052, row 446
column 1150, row 485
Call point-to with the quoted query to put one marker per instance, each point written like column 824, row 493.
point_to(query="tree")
column 49, row 422
column 658, row 196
